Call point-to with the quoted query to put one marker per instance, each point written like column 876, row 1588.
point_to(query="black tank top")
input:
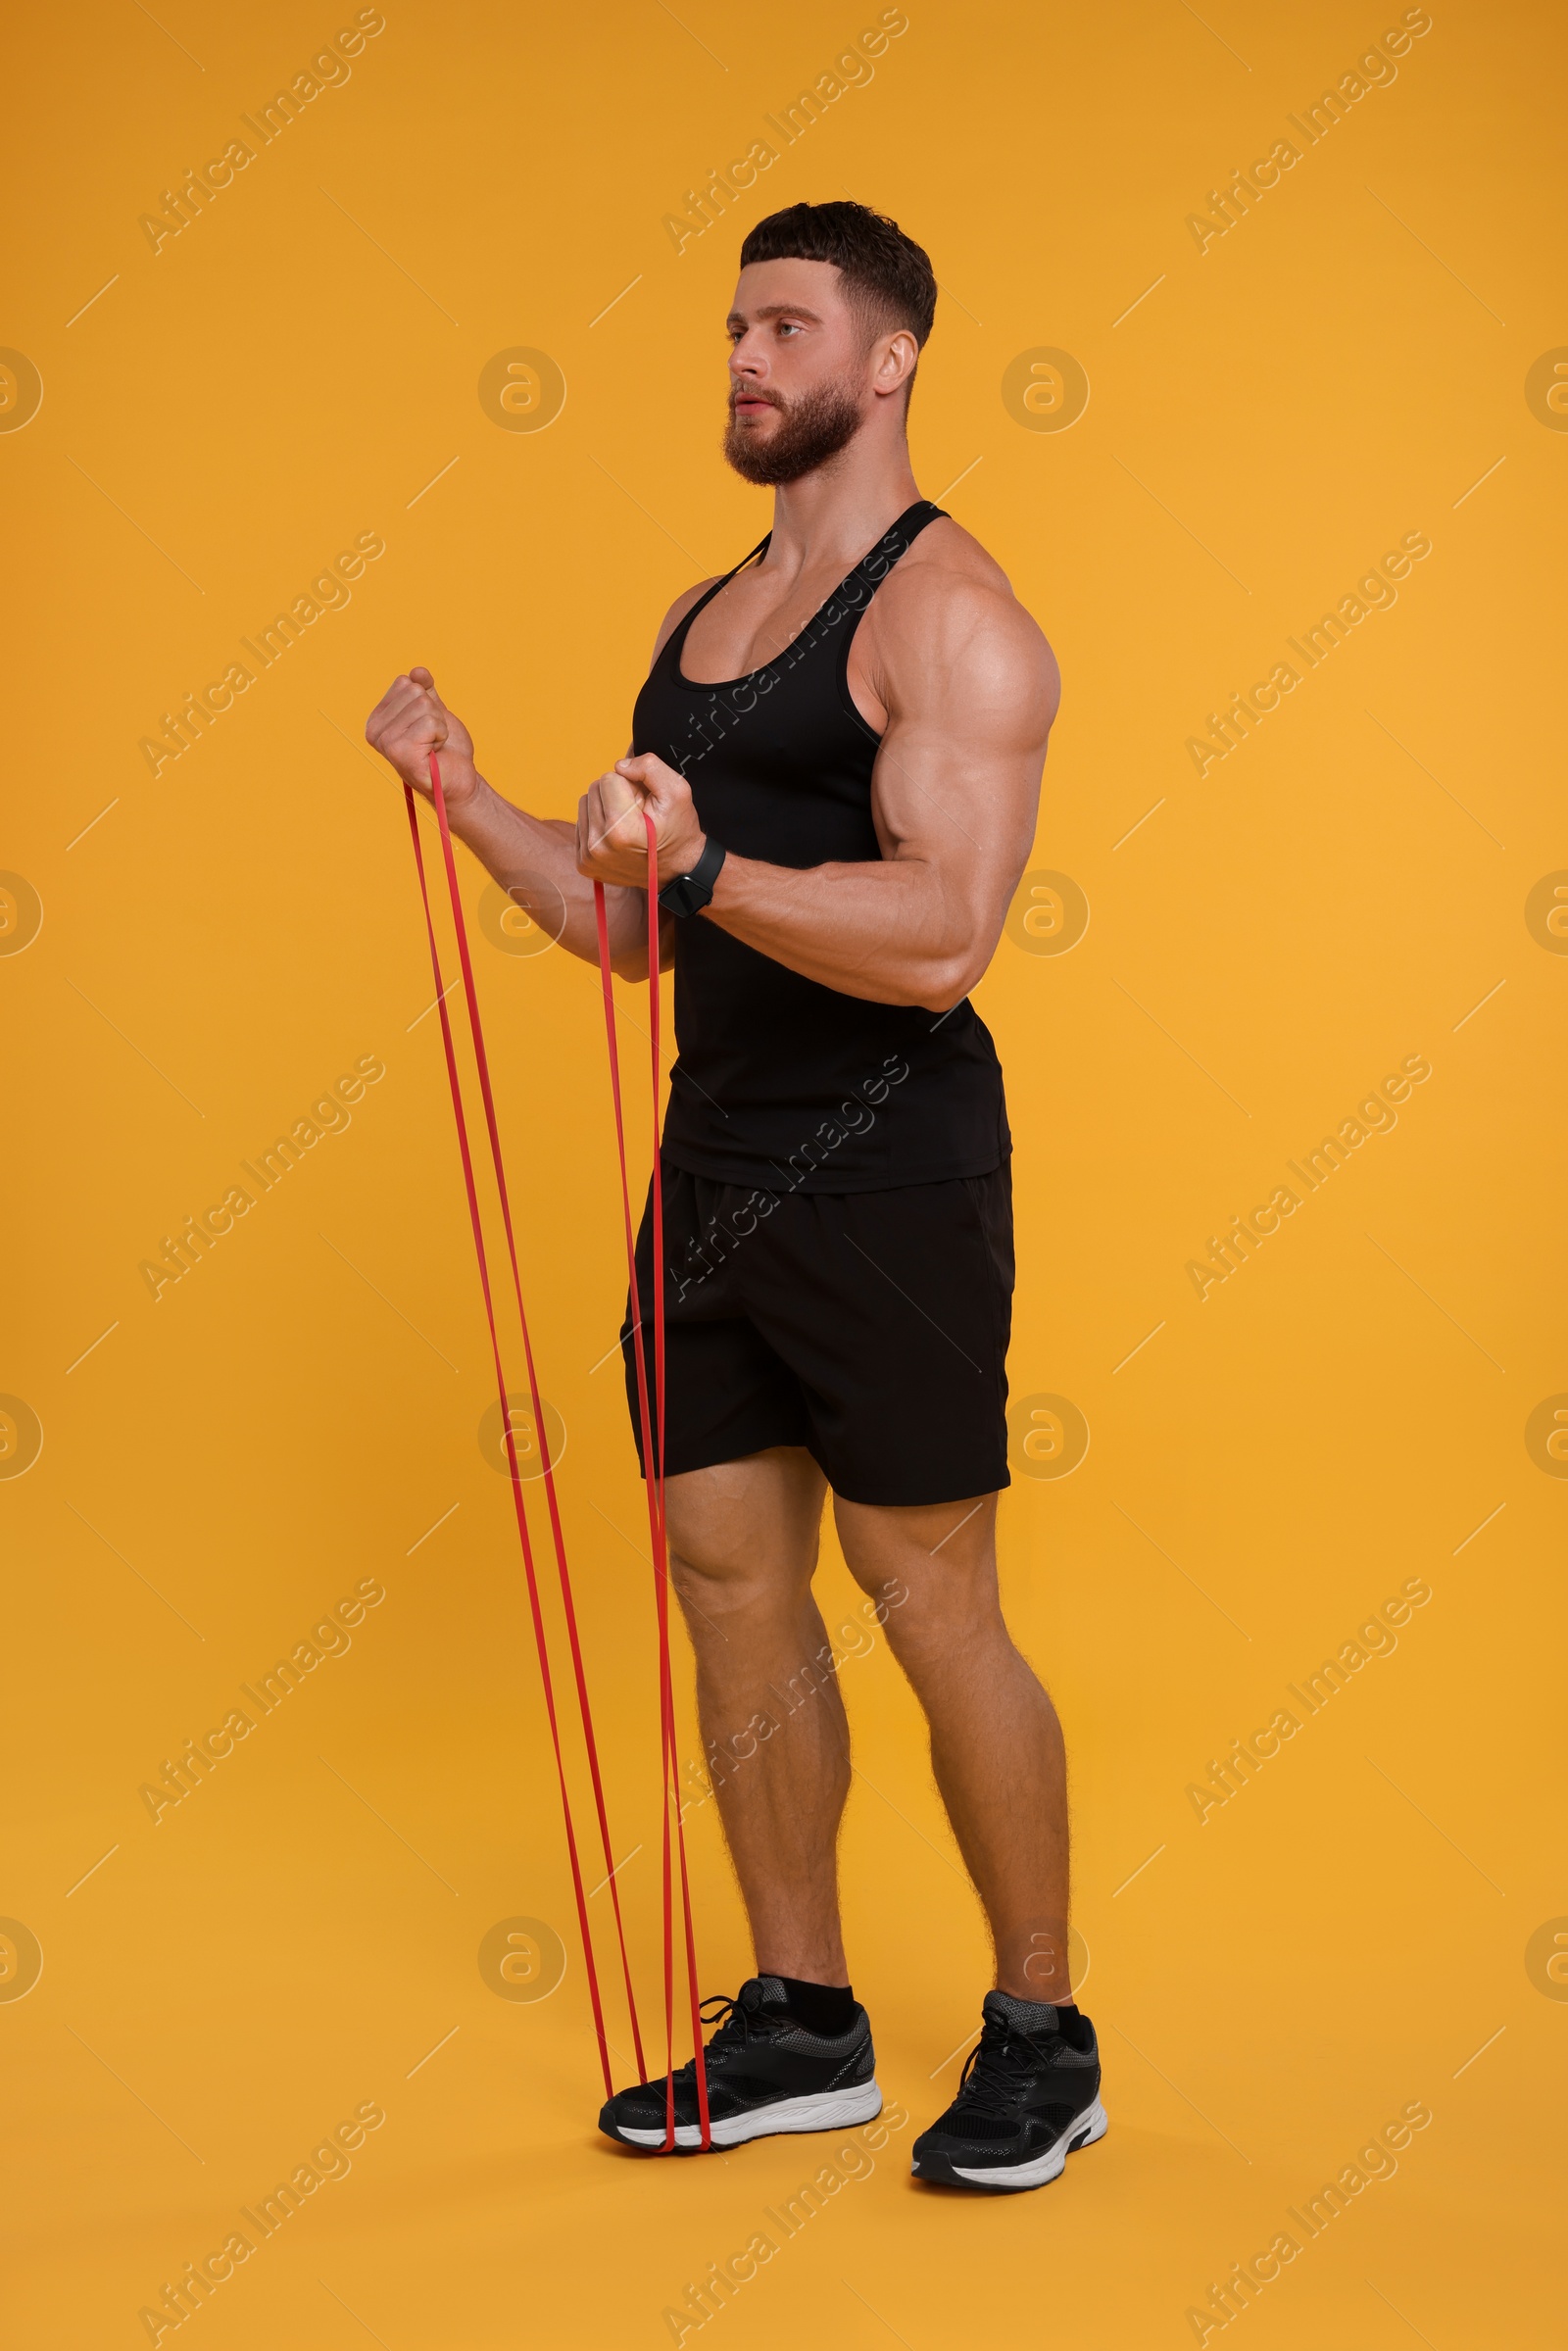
column 781, row 1083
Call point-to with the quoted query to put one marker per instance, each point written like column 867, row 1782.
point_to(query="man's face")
column 799, row 387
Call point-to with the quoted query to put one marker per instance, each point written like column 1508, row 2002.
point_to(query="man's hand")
column 409, row 722
column 612, row 837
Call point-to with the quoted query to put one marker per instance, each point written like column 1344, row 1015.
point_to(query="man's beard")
column 809, row 431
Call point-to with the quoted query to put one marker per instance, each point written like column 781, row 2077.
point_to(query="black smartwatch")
column 689, row 893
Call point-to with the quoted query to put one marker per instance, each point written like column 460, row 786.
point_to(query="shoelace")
column 996, row 2068
column 735, row 2023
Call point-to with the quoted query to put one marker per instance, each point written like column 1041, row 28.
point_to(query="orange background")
column 1369, row 1921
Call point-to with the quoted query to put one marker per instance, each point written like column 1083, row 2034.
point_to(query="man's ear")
column 897, row 354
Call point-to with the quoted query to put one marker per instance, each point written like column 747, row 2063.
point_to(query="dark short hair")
column 885, row 274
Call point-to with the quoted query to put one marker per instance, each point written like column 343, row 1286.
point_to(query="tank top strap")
column 894, row 544
column 675, row 642
column 853, row 595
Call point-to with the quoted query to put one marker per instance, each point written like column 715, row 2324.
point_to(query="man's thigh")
column 932, row 1571
column 750, row 1525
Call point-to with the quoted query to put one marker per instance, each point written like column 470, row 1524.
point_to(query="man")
column 841, row 744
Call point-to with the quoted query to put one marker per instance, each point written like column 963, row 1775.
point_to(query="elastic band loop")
column 653, row 1450
column 508, row 1437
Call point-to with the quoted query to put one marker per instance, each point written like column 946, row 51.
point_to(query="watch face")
column 689, row 893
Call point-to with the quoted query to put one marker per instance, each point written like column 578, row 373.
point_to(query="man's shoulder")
column 947, row 593
column 678, row 611
column 945, row 547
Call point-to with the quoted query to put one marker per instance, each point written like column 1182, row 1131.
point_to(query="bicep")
column 957, row 781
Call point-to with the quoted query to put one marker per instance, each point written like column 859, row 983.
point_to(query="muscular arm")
column 533, row 858
column 970, row 689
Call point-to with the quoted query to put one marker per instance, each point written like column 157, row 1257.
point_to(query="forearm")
column 891, row 932
column 519, row 849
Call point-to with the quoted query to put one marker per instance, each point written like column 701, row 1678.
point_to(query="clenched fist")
column 409, row 722
column 611, row 835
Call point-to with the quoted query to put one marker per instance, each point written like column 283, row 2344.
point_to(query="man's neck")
column 836, row 512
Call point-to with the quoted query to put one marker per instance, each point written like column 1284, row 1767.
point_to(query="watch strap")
column 688, row 893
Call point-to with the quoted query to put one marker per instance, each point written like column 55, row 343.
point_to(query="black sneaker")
column 766, row 2074
column 1029, row 2097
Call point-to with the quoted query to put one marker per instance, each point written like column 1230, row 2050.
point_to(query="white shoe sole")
column 1082, row 2131
column 829, row 2110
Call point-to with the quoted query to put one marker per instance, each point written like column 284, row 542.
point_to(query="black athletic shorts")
column 870, row 1327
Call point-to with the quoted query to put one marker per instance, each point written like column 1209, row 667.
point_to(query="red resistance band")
column 669, row 1785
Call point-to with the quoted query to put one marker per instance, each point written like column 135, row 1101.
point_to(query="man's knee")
column 927, row 1603
column 939, row 1621
column 886, row 1600
column 745, row 1528
column 715, row 1574
column 706, row 1586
